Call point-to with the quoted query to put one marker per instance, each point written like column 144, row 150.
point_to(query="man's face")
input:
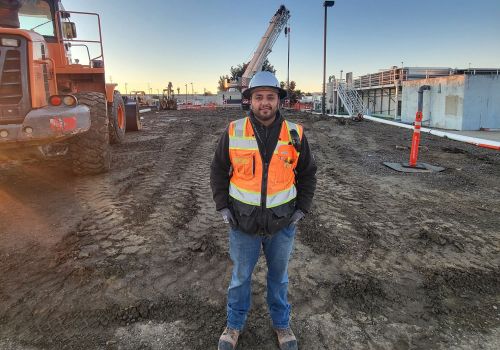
column 264, row 103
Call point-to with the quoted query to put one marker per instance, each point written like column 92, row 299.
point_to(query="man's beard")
column 265, row 114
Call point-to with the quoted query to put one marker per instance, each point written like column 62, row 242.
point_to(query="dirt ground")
column 137, row 258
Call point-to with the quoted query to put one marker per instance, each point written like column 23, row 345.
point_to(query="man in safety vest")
column 263, row 178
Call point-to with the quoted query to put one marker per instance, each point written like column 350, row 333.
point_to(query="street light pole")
column 186, row 94
column 338, row 98
column 337, row 81
column 326, row 5
column 287, row 32
column 192, row 94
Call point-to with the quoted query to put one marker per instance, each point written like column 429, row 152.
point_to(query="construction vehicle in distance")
column 167, row 100
column 141, row 98
column 144, row 102
column 49, row 101
column 276, row 25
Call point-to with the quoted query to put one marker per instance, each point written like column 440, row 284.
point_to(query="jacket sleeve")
column 219, row 173
column 305, row 179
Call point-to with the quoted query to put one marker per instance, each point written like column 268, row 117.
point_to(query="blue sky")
column 153, row 42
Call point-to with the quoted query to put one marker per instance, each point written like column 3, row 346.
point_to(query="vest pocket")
column 244, row 166
column 246, row 216
column 280, row 217
column 283, row 164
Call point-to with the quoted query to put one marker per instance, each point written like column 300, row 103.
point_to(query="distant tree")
column 294, row 95
column 207, row 93
column 282, row 84
column 268, row 67
column 221, row 83
column 237, row 72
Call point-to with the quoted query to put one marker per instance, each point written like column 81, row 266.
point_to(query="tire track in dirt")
column 187, row 242
column 106, row 224
column 176, row 185
column 378, row 263
column 192, row 238
column 191, row 241
column 189, row 245
column 341, row 197
column 376, row 232
column 340, row 229
column 130, row 207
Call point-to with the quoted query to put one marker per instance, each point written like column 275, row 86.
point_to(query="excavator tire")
column 117, row 120
column 90, row 151
column 132, row 115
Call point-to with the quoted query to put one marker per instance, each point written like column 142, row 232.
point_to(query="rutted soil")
column 137, row 258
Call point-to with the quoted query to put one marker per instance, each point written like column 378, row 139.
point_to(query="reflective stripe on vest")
column 245, row 185
column 282, row 197
column 247, row 197
column 238, row 140
column 292, row 126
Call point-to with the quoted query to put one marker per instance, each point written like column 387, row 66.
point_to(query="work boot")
column 228, row 339
column 286, row 339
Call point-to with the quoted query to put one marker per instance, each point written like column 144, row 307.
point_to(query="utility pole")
column 287, row 33
column 186, row 93
column 326, row 5
column 338, row 98
column 192, row 93
column 337, row 81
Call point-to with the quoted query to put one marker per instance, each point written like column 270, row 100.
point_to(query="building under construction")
column 459, row 99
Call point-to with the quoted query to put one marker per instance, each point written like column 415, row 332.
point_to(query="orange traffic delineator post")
column 413, row 166
column 415, row 140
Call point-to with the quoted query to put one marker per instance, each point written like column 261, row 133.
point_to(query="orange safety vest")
column 248, row 169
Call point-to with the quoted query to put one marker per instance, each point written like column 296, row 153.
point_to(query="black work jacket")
column 252, row 219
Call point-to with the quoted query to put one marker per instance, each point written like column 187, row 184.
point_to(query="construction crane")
column 276, row 25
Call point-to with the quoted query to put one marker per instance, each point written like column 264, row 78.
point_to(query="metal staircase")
column 351, row 99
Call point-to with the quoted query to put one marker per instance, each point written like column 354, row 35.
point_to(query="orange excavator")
column 50, row 101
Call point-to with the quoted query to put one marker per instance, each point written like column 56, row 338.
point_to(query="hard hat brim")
column 248, row 92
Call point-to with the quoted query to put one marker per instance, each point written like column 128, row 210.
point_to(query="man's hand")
column 228, row 217
column 296, row 217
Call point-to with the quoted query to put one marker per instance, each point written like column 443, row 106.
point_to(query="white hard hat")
column 264, row 79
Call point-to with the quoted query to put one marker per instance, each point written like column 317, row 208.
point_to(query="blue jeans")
column 244, row 250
